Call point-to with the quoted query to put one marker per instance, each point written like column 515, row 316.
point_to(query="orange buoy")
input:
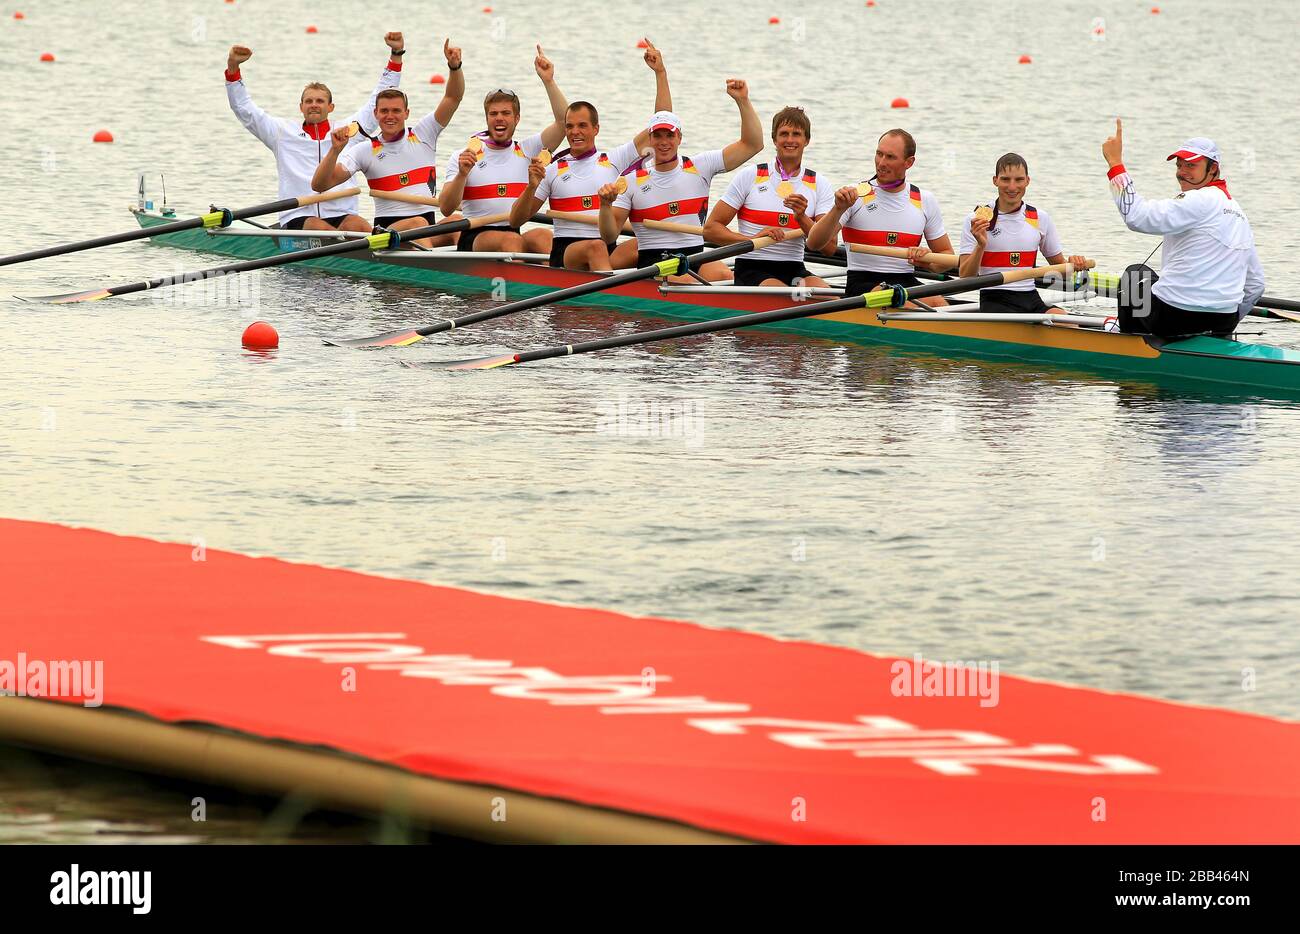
column 47, row 56
column 1155, row 9
column 487, row 9
column 437, row 79
column 19, row 15
column 1026, row 60
column 311, row 30
column 260, row 336
column 871, row 2
column 103, row 136
column 899, row 102
column 642, row 44
column 773, row 20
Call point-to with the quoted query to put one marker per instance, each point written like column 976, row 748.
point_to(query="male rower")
column 299, row 146
column 772, row 200
column 398, row 158
column 885, row 211
column 486, row 177
column 668, row 186
column 1211, row 276
column 1019, row 232
column 573, row 181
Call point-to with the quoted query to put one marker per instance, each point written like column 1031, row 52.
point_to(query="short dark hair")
column 390, row 93
column 591, row 109
column 791, row 117
column 1010, row 160
column 909, row 144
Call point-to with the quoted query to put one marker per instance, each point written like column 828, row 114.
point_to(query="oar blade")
column 68, row 298
column 389, row 339
column 482, row 363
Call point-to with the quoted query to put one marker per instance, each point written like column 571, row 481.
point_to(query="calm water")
column 1093, row 531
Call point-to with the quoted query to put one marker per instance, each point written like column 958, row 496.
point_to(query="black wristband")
column 454, row 67
column 397, row 54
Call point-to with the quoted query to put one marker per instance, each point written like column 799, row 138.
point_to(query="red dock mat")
column 727, row 731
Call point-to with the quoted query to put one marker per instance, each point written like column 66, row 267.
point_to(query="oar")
column 379, row 241
column 221, row 218
column 1107, row 283
column 627, row 228
column 667, row 267
column 894, row 297
column 947, row 260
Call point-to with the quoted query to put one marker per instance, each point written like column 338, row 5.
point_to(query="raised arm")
column 255, row 119
column 451, row 97
column 552, row 135
column 750, row 143
column 391, row 77
column 1166, row 216
column 329, row 173
column 663, row 96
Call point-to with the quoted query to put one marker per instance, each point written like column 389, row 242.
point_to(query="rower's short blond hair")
column 791, row 117
column 388, row 93
column 316, row 86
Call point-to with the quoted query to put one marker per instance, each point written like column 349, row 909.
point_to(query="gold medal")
column 984, row 213
column 544, row 157
column 864, row 189
column 784, row 190
column 621, row 185
column 475, row 145
column 353, row 128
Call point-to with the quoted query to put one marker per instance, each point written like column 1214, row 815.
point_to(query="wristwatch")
column 398, row 54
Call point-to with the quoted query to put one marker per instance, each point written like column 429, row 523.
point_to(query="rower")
column 488, row 175
column 573, row 180
column 1212, row 275
column 1020, row 232
column 299, row 146
column 886, row 210
column 771, row 200
column 398, row 158
column 670, row 187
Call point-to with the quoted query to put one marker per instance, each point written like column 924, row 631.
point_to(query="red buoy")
column 642, row 44
column 899, row 102
column 18, row 15
column 311, row 30
column 437, row 79
column 487, row 9
column 1026, row 60
column 103, row 136
column 1155, row 9
column 260, row 336
column 773, row 20
column 47, row 56
column 871, row 2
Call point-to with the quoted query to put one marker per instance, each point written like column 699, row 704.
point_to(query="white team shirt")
column 1210, row 262
column 680, row 195
column 497, row 179
column 407, row 163
column 883, row 218
column 571, row 185
column 297, row 151
column 1018, row 241
column 753, row 194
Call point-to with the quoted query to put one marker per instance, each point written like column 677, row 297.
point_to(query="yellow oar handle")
column 946, row 260
column 403, row 196
column 328, row 196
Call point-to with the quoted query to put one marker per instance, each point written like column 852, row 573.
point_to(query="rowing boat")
column 1249, row 367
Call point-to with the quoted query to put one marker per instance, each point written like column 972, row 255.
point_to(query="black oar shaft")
column 586, row 288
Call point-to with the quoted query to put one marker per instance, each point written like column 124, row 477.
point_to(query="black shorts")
column 299, row 222
column 650, row 257
column 860, row 281
column 754, row 271
column 1013, row 302
column 467, row 237
column 388, row 220
column 1161, row 318
column 560, row 244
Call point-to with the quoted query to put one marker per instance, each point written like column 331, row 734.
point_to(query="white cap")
column 1197, row 148
column 665, row 120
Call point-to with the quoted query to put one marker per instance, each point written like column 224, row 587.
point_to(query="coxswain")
column 1211, row 275
column 572, row 181
column 488, row 175
column 299, row 146
column 1019, row 233
column 668, row 186
column 772, row 200
column 886, row 210
column 398, row 158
